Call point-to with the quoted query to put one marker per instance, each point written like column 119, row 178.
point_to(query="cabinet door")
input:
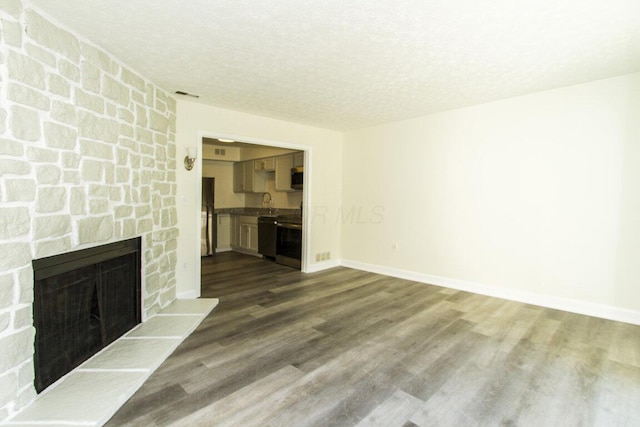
column 245, row 236
column 298, row 159
column 264, row 165
column 254, row 182
column 224, row 231
column 238, row 177
column 253, row 237
column 283, row 172
column 235, row 231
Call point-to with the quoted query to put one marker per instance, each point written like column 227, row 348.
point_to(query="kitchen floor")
column 344, row 347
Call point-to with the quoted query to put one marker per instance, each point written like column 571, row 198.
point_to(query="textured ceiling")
column 344, row 64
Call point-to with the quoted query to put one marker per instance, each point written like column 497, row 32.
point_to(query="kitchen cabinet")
column 298, row 160
column 283, row 173
column 246, row 180
column 224, row 233
column 265, row 165
column 234, row 235
column 245, row 234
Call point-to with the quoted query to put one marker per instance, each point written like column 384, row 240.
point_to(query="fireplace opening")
column 83, row 301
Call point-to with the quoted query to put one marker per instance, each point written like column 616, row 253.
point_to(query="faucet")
column 266, row 198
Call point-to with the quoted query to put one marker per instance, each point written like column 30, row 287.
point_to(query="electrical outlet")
column 395, row 246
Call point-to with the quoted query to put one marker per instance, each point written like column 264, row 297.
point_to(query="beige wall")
column 536, row 196
column 322, row 187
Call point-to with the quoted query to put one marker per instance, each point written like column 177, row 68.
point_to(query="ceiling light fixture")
column 229, row 141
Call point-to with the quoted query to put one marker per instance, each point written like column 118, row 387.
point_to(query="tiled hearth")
column 92, row 393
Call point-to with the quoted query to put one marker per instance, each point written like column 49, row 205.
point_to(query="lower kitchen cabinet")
column 244, row 234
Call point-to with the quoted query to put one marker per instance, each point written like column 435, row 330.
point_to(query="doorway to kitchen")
column 257, row 183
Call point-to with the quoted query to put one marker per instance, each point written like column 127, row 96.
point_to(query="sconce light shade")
column 190, row 158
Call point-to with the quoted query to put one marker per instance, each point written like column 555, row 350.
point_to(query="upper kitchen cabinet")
column 298, row 159
column 267, row 164
column 283, row 173
column 246, row 180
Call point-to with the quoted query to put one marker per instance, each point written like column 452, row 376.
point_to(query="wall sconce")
column 190, row 158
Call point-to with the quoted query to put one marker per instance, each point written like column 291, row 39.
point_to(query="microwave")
column 297, row 177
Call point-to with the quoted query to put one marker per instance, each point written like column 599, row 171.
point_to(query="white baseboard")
column 566, row 304
column 324, row 265
column 227, row 249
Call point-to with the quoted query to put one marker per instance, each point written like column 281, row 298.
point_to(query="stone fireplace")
column 87, row 158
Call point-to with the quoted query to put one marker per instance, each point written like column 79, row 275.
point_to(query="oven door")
column 289, row 244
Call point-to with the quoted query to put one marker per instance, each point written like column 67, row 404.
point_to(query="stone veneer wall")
column 87, row 156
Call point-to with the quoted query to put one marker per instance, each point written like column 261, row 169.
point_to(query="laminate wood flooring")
column 349, row 348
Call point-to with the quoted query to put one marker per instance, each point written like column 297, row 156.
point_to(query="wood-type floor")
column 344, row 347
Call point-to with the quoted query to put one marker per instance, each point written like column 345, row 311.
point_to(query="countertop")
column 258, row 211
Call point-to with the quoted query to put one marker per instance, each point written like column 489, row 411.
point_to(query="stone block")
column 51, row 226
column 129, row 227
column 147, row 150
column 96, row 57
column 71, row 160
column 98, row 191
column 60, row 136
column 13, row 8
column 77, row 201
column 126, row 115
column 109, row 172
column 51, row 199
column 42, row 155
column 15, row 255
column 171, row 245
column 134, row 161
column 53, row 247
column 20, row 190
column 148, row 162
column 6, row 290
column 48, row 174
column 25, row 123
column 11, row 148
column 171, row 103
column 26, row 374
column 98, row 206
column 116, row 91
column 158, row 121
column 98, row 128
column 144, row 135
column 5, row 321
column 12, row 33
column 122, row 174
column 23, row 318
column 3, row 119
column 71, row 177
column 25, row 284
column 152, row 283
column 126, row 130
column 160, row 154
column 41, row 55
column 123, row 211
column 171, row 151
column 117, row 230
column 145, row 195
column 26, row 96
column 69, row 70
column 14, row 167
column 26, row 70
column 144, row 225
column 17, row 348
column 141, row 115
column 64, row 112
column 142, row 211
column 133, row 80
column 90, row 77
column 111, row 109
column 95, row 229
column 89, row 101
column 58, row 85
column 137, row 97
column 160, row 106
column 92, row 170
column 52, row 36
column 96, row 149
column 115, row 194
column 9, row 380
column 122, row 157
column 14, row 222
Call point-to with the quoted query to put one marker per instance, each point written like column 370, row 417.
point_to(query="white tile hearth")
column 93, row 392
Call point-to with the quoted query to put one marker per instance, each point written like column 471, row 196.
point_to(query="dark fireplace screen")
column 83, row 301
